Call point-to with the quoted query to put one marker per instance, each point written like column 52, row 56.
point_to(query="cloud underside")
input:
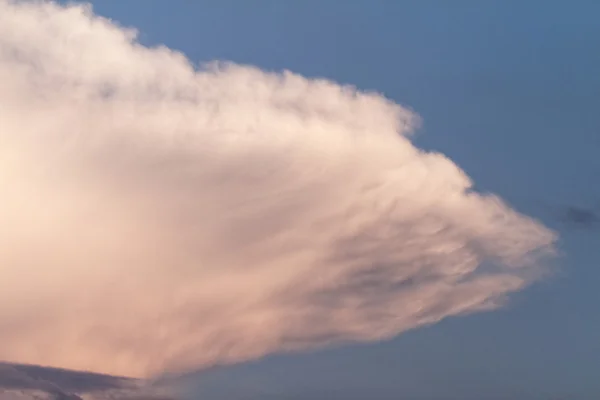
column 159, row 217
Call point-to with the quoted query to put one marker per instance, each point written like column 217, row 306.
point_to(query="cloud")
column 35, row 382
column 158, row 217
column 18, row 376
column 580, row 217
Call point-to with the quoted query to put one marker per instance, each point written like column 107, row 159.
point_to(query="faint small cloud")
column 581, row 217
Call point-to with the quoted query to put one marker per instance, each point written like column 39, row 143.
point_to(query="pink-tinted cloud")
column 157, row 217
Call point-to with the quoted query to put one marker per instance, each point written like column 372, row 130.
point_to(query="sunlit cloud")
column 158, row 217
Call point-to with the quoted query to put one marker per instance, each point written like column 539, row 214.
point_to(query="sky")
column 507, row 91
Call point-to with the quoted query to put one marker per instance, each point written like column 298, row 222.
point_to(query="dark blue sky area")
column 510, row 90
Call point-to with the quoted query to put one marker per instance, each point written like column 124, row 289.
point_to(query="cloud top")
column 161, row 217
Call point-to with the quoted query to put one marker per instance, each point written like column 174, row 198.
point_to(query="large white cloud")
column 157, row 217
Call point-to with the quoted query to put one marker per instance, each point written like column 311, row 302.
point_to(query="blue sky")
column 508, row 90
